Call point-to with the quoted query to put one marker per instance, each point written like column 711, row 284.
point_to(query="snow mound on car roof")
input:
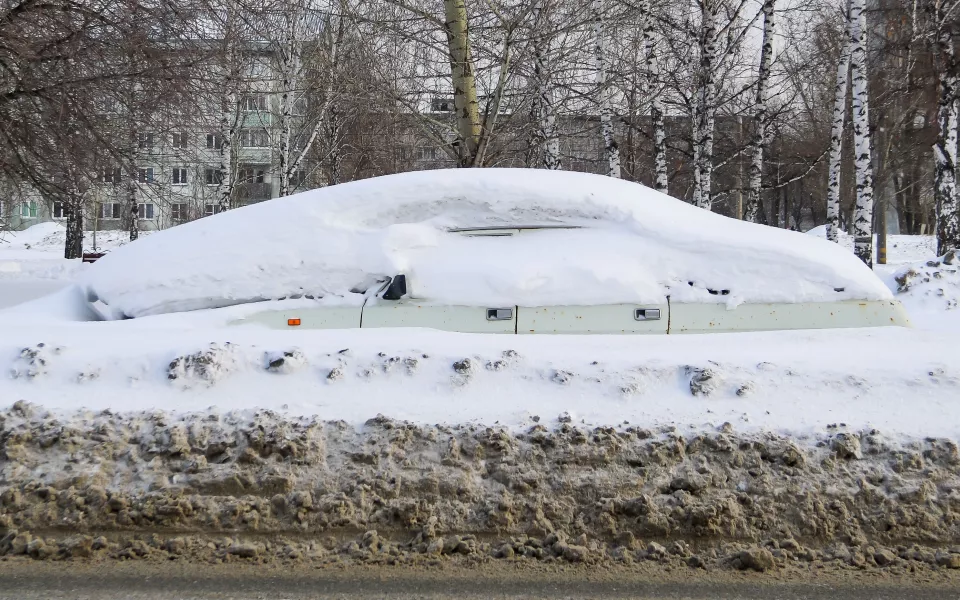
column 633, row 245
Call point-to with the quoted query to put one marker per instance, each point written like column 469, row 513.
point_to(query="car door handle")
column 646, row 314
column 499, row 314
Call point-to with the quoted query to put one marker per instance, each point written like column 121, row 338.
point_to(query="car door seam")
column 669, row 314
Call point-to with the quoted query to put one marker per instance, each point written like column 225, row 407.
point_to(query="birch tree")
column 320, row 122
column 704, row 118
column 289, row 51
column 863, row 215
column 230, row 66
column 836, row 133
column 464, row 81
column 545, row 140
column 610, row 147
column 653, row 93
column 760, row 138
column 945, row 148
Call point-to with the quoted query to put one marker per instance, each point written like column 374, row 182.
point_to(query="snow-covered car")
column 492, row 251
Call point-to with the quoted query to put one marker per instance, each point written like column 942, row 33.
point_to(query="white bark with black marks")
column 228, row 133
column 611, row 149
column 289, row 54
column 657, row 121
column 759, row 141
column 863, row 214
column 705, row 107
column 546, row 142
column 464, row 81
column 132, row 208
column 945, row 149
column 836, row 135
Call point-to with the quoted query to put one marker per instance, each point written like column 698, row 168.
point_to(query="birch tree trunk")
column 657, row 121
column 546, row 142
column 705, row 117
column 229, row 107
column 228, row 132
column 611, row 149
column 836, row 135
column 759, row 142
column 945, row 149
column 74, row 243
column 863, row 216
column 132, row 208
column 289, row 72
column 327, row 115
column 464, row 81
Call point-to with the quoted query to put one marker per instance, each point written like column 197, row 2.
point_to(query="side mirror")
column 397, row 288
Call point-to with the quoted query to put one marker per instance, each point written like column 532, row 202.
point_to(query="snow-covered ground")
column 32, row 263
column 897, row 380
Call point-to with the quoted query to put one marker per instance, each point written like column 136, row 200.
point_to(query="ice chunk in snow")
column 631, row 245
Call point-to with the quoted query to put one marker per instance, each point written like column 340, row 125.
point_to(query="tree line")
column 783, row 114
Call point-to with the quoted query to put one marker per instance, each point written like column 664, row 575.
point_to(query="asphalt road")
column 120, row 581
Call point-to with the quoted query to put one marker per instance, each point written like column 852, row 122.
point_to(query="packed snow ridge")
column 620, row 243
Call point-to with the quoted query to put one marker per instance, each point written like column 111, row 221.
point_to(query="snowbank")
column 634, row 245
column 898, row 380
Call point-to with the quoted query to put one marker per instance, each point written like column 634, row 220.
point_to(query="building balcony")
column 249, row 193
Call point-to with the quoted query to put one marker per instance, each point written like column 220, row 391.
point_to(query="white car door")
column 467, row 319
column 605, row 318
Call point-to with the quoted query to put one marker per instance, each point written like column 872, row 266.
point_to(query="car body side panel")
column 465, row 319
column 606, row 318
column 712, row 318
column 321, row 317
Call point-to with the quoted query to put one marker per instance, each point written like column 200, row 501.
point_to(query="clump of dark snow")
column 937, row 279
column 206, row 366
column 704, row 381
column 288, row 361
column 33, row 361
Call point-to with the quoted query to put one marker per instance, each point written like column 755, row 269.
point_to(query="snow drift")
column 631, row 245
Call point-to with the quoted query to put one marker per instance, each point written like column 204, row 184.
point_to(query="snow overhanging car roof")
column 599, row 241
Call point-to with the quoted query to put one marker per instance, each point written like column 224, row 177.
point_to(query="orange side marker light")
column 293, row 322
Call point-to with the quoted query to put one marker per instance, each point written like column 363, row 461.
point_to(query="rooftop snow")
column 635, row 245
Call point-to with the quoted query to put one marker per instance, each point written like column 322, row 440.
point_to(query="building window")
column 212, row 176
column 441, row 105
column 180, row 140
column 111, row 175
column 28, row 210
column 178, row 212
column 144, row 140
column 254, row 138
column 297, row 178
column 179, row 176
column 58, row 211
column 212, row 209
column 427, row 153
column 110, row 210
column 145, row 175
column 214, row 142
column 254, row 103
column 252, row 175
column 145, row 211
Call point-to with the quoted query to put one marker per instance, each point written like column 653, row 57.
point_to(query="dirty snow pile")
column 630, row 245
column 930, row 289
